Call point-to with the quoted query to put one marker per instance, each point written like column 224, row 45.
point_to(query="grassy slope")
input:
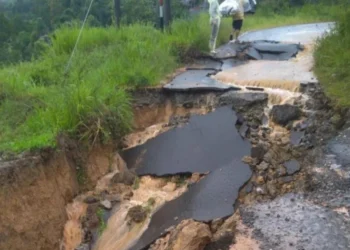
column 332, row 62
column 38, row 100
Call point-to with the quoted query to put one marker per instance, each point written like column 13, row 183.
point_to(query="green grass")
column 332, row 62
column 102, row 224
column 39, row 100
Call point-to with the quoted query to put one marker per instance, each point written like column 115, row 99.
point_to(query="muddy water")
column 120, row 233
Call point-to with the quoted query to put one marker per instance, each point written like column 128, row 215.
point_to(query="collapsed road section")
column 205, row 143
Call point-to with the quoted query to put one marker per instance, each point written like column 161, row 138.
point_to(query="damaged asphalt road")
column 211, row 198
column 205, row 143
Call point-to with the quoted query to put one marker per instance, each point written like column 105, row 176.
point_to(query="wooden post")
column 167, row 13
column 117, row 11
column 161, row 15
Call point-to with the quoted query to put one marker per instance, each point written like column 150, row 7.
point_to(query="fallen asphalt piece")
column 196, row 80
column 213, row 197
column 264, row 50
column 292, row 222
column 205, row 143
column 304, row 33
column 340, row 147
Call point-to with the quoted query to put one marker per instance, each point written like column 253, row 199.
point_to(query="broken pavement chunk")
column 200, row 202
column 206, row 143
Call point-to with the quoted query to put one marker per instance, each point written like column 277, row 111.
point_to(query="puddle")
column 211, row 198
column 206, row 143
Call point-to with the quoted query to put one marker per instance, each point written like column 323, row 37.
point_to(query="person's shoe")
column 233, row 41
column 213, row 52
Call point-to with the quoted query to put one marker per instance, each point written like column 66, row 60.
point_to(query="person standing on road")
column 215, row 19
column 237, row 21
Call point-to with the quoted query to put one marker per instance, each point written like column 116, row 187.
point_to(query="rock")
column 260, row 180
column 128, row 195
column 248, row 160
column 258, row 152
column 195, row 177
column 83, row 247
column 261, row 190
column 296, row 136
column 106, row 204
column 228, row 226
column 91, row 199
column 271, row 189
column 337, row 121
column 91, row 220
column 241, row 99
column 215, row 224
column 292, row 167
column 287, row 179
column 281, row 171
column 263, row 166
column 169, row 187
column 137, row 214
column 283, row 114
column 113, row 197
column 126, row 177
column 285, row 141
column 224, row 242
column 190, row 235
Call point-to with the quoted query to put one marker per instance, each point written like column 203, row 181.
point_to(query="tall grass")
column 39, row 99
column 332, row 61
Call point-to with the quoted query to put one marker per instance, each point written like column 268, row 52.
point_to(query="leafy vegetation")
column 332, row 61
column 42, row 98
column 102, row 224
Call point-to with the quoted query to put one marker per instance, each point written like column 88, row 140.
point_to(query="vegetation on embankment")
column 39, row 99
column 332, row 62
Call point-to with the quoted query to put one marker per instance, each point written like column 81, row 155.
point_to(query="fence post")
column 167, row 13
column 161, row 15
column 117, row 11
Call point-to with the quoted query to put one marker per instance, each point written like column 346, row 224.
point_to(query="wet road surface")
column 292, row 222
column 304, row 33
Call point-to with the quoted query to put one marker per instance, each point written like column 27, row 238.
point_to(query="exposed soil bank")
column 35, row 191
